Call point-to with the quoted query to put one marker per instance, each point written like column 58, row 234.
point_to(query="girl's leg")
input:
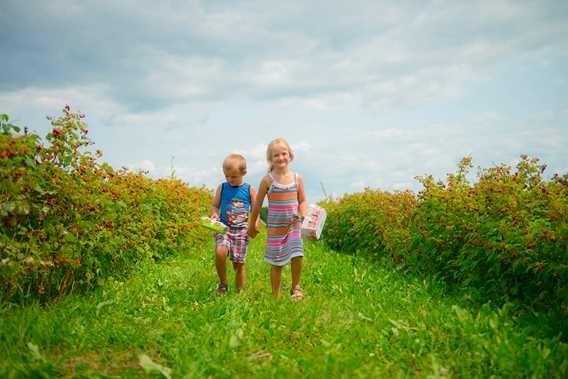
column 275, row 276
column 240, row 275
column 221, row 263
column 296, row 271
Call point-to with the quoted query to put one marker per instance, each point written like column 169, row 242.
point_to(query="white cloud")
column 145, row 165
column 91, row 100
column 359, row 184
column 209, row 176
column 303, row 147
column 258, row 152
column 383, row 92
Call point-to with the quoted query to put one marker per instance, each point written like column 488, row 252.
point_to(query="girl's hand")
column 252, row 231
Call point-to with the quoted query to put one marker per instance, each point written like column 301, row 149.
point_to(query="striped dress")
column 284, row 234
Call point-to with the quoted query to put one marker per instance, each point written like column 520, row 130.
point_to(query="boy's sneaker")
column 222, row 288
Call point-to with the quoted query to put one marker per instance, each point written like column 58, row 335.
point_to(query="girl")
column 286, row 210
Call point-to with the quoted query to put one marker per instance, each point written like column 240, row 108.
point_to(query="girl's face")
column 280, row 156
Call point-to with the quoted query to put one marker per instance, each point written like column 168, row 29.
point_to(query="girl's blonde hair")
column 271, row 147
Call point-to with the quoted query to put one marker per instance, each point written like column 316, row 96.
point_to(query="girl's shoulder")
column 295, row 177
column 267, row 179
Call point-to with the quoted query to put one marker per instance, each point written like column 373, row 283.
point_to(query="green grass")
column 360, row 319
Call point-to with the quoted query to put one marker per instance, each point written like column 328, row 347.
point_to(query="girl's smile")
column 280, row 156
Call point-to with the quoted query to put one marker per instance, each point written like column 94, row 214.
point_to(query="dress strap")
column 271, row 182
column 275, row 183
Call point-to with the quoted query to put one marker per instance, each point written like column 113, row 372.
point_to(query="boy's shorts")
column 236, row 240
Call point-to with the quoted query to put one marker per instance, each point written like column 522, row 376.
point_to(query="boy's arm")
column 302, row 203
column 215, row 205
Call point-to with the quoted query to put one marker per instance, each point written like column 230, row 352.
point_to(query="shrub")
column 375, row 221
column 506, row 235
column 68, row 221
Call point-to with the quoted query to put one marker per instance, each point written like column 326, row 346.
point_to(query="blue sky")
column 368, row 93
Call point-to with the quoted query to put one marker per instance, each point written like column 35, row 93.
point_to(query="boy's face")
column 234, row 177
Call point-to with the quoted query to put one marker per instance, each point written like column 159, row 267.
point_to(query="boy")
column 231, row 205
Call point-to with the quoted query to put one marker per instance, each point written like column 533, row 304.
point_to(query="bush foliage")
column 505, row 235
column 374, row 221
column 68, row 221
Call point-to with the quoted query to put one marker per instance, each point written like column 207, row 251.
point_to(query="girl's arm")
column 216, row 203
column 252, row 193
column 257, row 204
column 302, row 203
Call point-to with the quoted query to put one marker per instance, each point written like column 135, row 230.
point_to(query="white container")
column 313, row 222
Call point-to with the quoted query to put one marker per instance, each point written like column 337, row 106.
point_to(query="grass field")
column 360, row 319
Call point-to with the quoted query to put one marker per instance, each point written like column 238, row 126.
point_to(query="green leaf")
column 461, row 313
column 150, row 366
column 102, row 304
column 35, row 352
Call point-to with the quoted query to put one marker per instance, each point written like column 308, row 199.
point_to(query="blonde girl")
column 286, row 210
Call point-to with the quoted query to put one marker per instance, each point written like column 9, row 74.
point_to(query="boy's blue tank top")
column 235, row 205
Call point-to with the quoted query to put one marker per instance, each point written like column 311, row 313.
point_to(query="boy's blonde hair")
column 236, row 162
column 271, row 147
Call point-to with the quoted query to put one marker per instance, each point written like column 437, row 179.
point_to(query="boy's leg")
column 275, row 276
column 238, row 253
column 297, row 263
column 240, row 275
column 221, row 263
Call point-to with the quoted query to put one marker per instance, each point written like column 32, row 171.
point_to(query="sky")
column 369, row 94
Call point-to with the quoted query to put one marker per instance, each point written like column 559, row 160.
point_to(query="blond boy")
column 231, row 205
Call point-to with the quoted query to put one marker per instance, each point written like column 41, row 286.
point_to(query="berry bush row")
column 504, row 234
column 69, row 222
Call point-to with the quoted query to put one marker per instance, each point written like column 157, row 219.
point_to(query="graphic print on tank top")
column 237, row 213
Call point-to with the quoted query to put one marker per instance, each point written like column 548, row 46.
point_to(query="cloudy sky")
column 368, row 93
